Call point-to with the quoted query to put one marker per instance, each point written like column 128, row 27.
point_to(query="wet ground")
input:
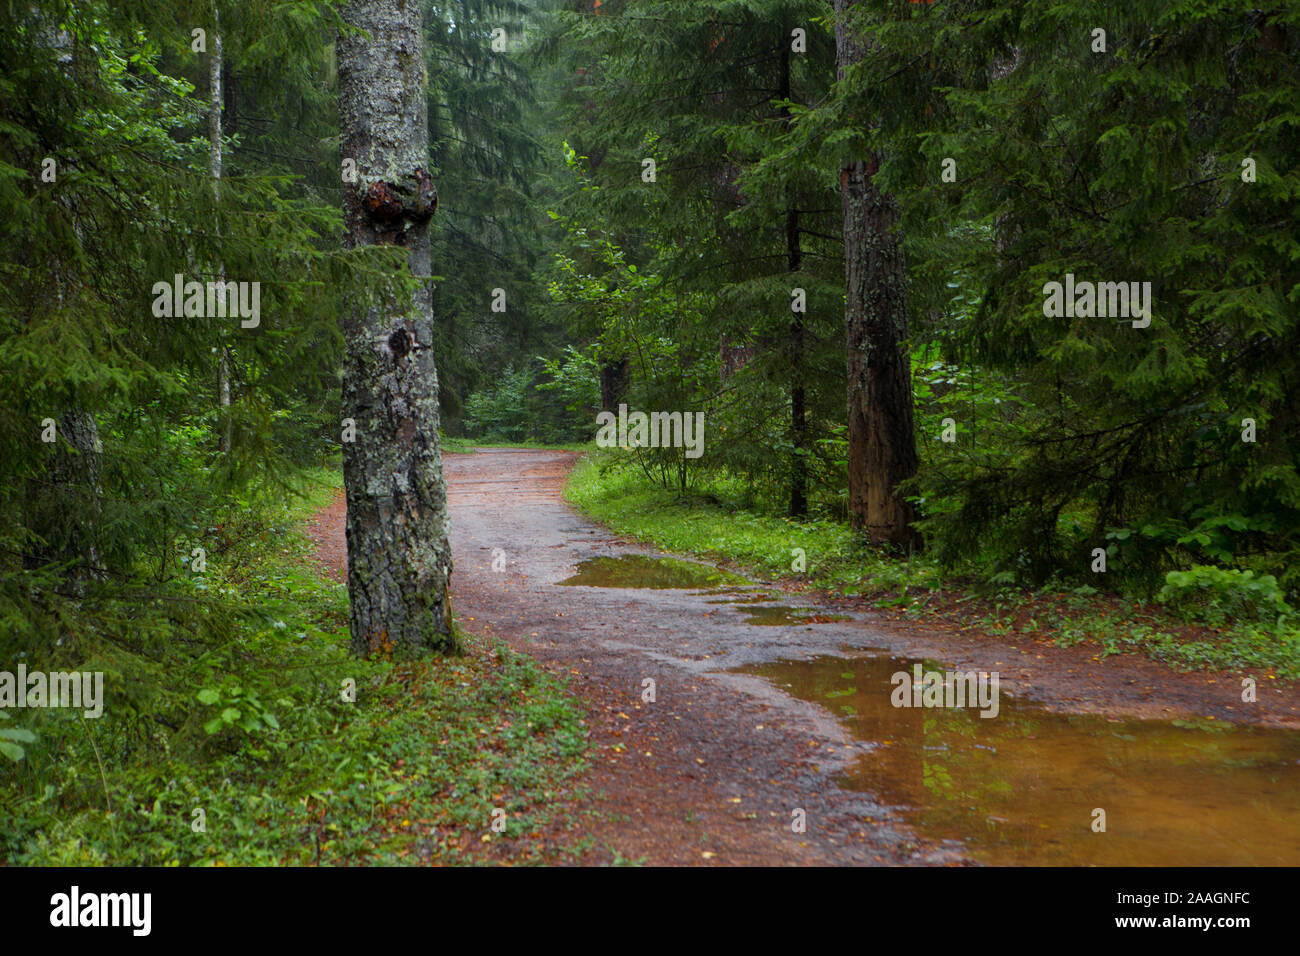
column 1024, row 787
column 735, row 723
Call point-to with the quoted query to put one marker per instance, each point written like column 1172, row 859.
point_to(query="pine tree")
column 106, row 191
column 488, row 159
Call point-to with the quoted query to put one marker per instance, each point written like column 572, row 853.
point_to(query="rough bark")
column 882, row 444
column 214, row 106
column 215, row 165
column 798, row 390
column 399, row 561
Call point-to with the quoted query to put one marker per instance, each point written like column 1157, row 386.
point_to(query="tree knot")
column 414, row 199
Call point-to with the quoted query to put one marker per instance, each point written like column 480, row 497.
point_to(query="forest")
column 549, row 431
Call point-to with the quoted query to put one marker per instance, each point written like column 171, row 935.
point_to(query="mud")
column 716, row 768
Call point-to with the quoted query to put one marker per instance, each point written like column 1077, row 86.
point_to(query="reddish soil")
column 710, row 772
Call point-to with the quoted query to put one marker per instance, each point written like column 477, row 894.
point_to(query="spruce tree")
column 399, row 561
column 881, row 442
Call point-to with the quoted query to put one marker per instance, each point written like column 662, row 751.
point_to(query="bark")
column 882, row 444
column 215, row 164
column 399, row 561
column 223, row 396
column 214, row 107
column 65, row 505
column 798, row 393
column 732, row 358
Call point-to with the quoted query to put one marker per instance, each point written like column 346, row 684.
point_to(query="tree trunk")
column 615, row 377
column 64, row 507
column 882, row 445
column 798, row 393
column 399, row 560
column 215, row 161
column 223, row 397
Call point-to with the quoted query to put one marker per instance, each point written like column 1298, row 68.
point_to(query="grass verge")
column 827, row 556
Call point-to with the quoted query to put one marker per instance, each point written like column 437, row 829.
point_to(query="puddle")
column 787, row 616
column 1020, row 788
column 740, row 597
column 642, row 571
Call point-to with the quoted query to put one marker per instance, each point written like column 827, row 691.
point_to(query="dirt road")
column 721, row 767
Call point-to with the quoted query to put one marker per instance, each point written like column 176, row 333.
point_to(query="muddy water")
column 1021, row 788
column 785, row 616
column 643, row 571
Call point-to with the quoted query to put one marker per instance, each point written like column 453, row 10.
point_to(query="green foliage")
column 522, row 406
column 12, row 739
column 671, row 275
column 575, row 376
column 488, row 164
column 253, row 728
column 1117, row 166
column 1224, row 595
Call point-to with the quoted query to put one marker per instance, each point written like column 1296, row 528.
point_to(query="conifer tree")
column 881, row 442
column 399, row 561
column 1141, row 143
column 757, row 240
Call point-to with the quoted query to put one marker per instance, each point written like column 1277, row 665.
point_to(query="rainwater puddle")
column 787, row 616
column 740, row 597
column 1020, row 788
column 642, row 571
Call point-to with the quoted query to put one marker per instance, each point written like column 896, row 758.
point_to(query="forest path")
column 712, row 771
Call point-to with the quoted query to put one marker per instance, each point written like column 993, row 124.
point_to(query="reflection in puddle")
column 1021, row 788
column 778, row 616
column 642, row 571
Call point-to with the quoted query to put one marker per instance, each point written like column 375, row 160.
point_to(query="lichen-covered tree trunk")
column 215, row 167
column 399, row 561
column 882, row 444
column 798, row 371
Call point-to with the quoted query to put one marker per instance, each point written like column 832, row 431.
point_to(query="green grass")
column 457, row 446
column 765, row 544
column 705, row 524
column 256, row 734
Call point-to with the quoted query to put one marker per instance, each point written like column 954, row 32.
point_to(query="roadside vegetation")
column 1202, row 618
column 242, row 746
